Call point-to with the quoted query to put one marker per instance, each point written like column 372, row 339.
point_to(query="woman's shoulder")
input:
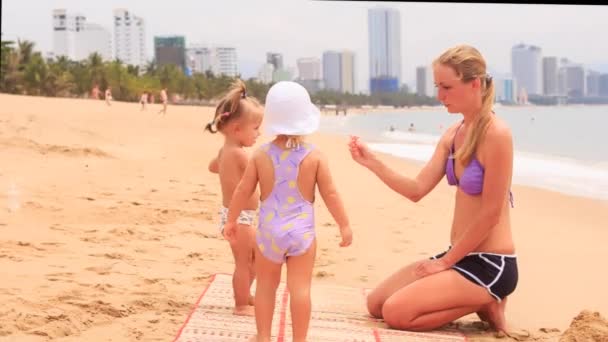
column 498, row 129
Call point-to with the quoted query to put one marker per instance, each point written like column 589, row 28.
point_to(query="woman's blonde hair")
column 230, row 106
column 469, row 64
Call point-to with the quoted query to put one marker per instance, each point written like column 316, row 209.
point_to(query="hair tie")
column 224, row 114
column 244, row 95
column 488, row 78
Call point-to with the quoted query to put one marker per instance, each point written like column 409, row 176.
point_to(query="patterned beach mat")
column 338, row 314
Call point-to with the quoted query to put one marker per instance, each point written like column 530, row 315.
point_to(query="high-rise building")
column 129, row 38
column 170, row 50
column 265, row 73
column 593, row 83
column 603, row 85
column 526, row 67
column 339, row 71
column 574, row 80
column 505, row 89
column 384, row 28
column 199, row 59
column 424, row 81
column 309, row 68
column 550, row 76
column 331, row 70
column 219, row 60
column 347, row 72
column 76, row 39
column 276, row 59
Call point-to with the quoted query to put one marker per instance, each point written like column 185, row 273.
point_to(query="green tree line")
column 25, row 71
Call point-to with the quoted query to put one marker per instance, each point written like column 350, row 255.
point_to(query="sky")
column 305, row 28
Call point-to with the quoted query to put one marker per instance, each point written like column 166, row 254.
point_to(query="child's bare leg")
column 241, row 278
column 299, row 278
column 252, row 268
column 268, row 278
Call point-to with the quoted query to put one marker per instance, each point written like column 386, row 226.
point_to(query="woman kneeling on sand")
column 479, row 269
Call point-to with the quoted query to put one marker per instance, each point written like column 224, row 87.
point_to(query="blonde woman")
column 478, row 270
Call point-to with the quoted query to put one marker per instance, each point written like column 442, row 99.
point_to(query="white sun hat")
column 289, row 111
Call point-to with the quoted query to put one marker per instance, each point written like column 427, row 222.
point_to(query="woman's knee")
column 396, row 315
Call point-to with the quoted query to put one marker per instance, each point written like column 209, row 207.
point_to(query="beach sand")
column 108, row 225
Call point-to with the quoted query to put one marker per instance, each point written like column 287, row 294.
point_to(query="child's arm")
column 241, row 194
column 214, row 166
column 332, row 200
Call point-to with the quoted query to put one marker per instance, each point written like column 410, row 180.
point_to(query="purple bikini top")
column 471, row 180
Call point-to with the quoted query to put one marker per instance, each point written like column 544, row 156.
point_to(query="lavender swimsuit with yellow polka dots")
column 286, row 221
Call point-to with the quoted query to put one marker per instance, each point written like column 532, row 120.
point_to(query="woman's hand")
column 361, row 153
column 428, row 267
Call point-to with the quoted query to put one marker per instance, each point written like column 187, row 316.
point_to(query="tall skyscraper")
column 331, row 70
column 76, row 39
column 384, row 26
column 339, row 71
column 550, row 76
column 347, row 72
column 170, row 50
column 526, row 67
column 129, row 38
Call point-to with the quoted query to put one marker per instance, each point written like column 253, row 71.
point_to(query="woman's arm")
column 412, row 188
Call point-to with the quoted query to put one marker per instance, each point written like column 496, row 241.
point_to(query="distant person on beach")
column 108, row 95
column 478, row 270
column 95, row 92
column 411, row 128
column 163, row 99
column 143, row 100
column 288, row 171
column 391, row 128
column 238, row 118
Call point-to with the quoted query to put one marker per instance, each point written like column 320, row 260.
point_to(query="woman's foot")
column 251, row 300
column 246, row 310
column 494, row 313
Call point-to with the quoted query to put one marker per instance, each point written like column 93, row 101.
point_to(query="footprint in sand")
column 101, row 270
column 54, row 244
column 323, row 274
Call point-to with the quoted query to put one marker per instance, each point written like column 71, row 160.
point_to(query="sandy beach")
column 109, row 232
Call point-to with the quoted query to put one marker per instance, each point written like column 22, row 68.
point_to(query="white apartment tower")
column 76, row 39
column 129, row 38
column 219, row 60
column 527, row 68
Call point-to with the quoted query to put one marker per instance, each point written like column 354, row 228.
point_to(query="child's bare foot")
column 251, row 300
column 246, row 310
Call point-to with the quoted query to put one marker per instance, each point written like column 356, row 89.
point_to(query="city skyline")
column 299, row 28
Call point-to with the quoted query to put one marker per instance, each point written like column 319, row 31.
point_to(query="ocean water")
column 560, row 148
